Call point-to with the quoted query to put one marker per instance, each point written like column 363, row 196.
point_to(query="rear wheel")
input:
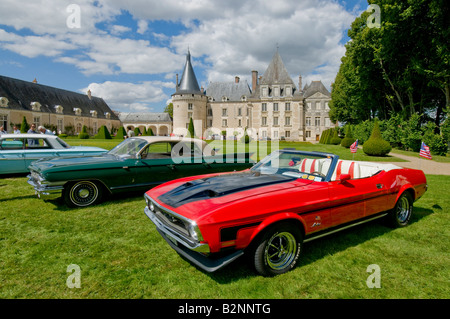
column 278, row 250
column 82, row 194
column 401, row 214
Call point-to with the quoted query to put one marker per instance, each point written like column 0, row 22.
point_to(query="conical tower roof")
column 188, row 83
column 276, row 73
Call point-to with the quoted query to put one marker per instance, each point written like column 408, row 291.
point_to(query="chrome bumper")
column 45, row 192
column 174, row 236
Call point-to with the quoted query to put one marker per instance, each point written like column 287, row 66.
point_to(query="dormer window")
column 243, row 98
column 4, row 102
column 59, row 109
column 93, row 113
column 77, row 111
column 35, row 106
column 264, row 91
column 224, row 99
column 288, row 91
column 108, row 115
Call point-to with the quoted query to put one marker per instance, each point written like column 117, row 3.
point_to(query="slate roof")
column 231, row 90
column 314, row 87
column 144, row 117
column 188, row 83
column 21, row 94
column 276, row 73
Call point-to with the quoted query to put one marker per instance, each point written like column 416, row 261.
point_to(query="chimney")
column 254, row 80
column 236, row 79
column 34, row 81
column 89, row 94
column 300, row 88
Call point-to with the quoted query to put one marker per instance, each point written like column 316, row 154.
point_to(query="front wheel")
column 401, row 214
column 278, row 250
column 82, row 194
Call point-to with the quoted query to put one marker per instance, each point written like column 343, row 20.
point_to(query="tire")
column 401, row 214
column 82, row 194
column 278, row 250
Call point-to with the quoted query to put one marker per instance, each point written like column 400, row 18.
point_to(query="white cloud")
column 125, row 96
column 142, row 26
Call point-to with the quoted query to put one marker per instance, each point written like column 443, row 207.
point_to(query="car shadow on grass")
column 319, row 248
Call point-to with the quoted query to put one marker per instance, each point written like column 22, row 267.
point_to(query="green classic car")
column 136, row 164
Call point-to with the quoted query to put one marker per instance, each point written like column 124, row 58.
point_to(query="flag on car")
column 425, row 151
column 354, row 147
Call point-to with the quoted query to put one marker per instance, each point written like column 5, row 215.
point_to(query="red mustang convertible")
column 269, row 211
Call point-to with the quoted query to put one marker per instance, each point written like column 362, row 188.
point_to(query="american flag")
column 425, row 151
column 354, row 147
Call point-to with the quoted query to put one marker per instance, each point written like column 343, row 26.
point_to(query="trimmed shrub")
column 121, row 133
column 348, row 140
column 84, row 135
column 335, row 140
column 103, row 133
column 24, row 127
column 62, row 135
column 137, row 131
column 375, row 145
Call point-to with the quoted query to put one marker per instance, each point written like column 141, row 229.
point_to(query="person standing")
column 43, row 130
column 2, row 130
column 16, row 130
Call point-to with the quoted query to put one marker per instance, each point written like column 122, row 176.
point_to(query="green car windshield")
column 128, row 148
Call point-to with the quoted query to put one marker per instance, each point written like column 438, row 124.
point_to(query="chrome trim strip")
column 45, row 192
column 343, row 228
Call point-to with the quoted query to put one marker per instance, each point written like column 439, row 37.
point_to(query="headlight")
column 194, row 232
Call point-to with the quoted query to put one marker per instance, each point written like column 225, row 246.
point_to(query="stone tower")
column 189, row 101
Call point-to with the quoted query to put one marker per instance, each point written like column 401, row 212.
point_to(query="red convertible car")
column 269, row 211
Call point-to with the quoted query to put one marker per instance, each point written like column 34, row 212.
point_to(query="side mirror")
column 344, row 177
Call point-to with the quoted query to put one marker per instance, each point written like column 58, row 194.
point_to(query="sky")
column 128, row 52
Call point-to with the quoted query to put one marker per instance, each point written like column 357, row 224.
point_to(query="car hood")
column 73, row 162
column 220, row 186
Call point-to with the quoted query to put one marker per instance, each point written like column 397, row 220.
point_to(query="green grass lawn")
column 121, row 255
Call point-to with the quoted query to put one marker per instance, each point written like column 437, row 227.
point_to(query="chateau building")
column 159, row 123
column 272, row 107
column 56, row 109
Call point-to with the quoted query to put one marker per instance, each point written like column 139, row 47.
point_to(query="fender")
column 275, row 219
column 405, row 188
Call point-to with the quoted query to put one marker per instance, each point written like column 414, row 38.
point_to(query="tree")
column 24, row 127
column 400, row 68
column 169, row 109
column 191, row 130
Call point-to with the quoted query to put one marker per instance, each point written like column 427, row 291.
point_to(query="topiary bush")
column 84, row 135
column 348, row 140
column 103, row 133
column 121, row 133
column 376, row 145
column 335, row 140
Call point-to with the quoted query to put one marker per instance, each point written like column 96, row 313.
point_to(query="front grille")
column 169, row 219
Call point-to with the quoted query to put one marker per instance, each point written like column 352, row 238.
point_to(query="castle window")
column 224, row 112
column 264, row 107
column 264, row 121
column 287, row 133
column 287, row 120
column 224, row 123
column 239, row 112
column 317, row 121
column 275, row 107
column 3, row 102
column 288, row 91
column 287, row 107
column 35, row 106
column 77, row 111
column 308, row 121
column 275, row 121
column 93, row 113
column 190, row 106
column 264, row 91
column 59, row 109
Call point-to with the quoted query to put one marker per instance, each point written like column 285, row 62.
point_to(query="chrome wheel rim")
column 83, row 193
column 403, row 209
column 281, row 250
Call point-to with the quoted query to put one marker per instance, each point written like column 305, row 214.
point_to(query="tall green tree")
column 400, row 68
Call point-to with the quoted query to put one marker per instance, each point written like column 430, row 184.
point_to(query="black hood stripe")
column 218, row 186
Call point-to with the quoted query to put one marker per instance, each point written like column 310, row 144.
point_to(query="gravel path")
column 426, row 165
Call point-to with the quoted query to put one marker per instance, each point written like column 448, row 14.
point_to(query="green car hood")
column 75, row 163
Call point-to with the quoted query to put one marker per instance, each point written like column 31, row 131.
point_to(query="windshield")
column 296, row 164
column 128, row 148
column 63, row 144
